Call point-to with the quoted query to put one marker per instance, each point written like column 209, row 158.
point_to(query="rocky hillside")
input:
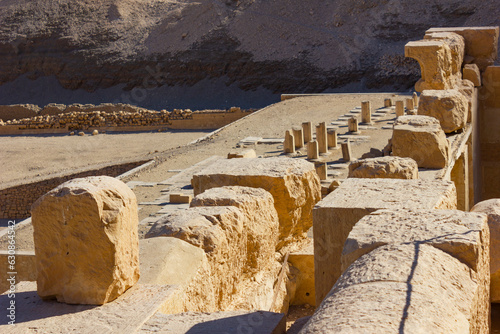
column 282, row 46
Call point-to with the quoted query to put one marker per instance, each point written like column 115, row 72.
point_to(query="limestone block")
column 303, row 261
column 337, row 213
column 346, row 151
column 366, row 112
column 219, row 231
column 289, row 144
column 412, row 288
column 205, row 227
column 25, row 268
column 352, row 124
column 293, row 183
column 179, row 198
column 321, row 169
column 466, row 87
column 384, row 167
column 307, row 130
column 171, row 261
column 249, row 153
column 333, row 186
column 471, row 73
column 440, row 61
column 312, row 150
column 261, row 225
column 449, row 107
column 86, row 241
column 400, row 108
column 298, row 135
column 481, row 43
column 422, row 139
column 463, row 235
column 491, row 207
column 266, row 290
column 410, row 103
column 332, row 138
column 322, row 137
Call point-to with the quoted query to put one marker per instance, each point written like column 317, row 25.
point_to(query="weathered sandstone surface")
column 172, row 261
column 86, row 242
column 491, row 207
column 219, row 232
column 440, row 56
column 422, row 139
column 391, row 167
column 293, row 183
column 338, row 213
column 300, row 46
column 261, row 224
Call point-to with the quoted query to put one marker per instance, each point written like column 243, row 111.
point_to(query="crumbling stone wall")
column 399, row 265
column 16, row 201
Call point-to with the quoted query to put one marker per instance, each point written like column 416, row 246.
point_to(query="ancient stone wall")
column 15, row 201
column 27, row 119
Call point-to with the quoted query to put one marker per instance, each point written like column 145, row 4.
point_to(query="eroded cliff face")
column 282, row 46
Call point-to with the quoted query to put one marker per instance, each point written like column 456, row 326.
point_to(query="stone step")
column 126, row 314
column 218, row 322
column 183, row 179
column 250, row 140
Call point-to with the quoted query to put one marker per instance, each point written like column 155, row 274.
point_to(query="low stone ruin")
column 293, row 184
column 449, row 107
column 57, row 117
column 384, row 167
column 422, row 139
column 86, row 243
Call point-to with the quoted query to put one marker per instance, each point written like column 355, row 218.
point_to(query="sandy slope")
column 282, row 46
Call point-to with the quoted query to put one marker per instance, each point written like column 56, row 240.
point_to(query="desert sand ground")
column 27, row 157
column 175, row 152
